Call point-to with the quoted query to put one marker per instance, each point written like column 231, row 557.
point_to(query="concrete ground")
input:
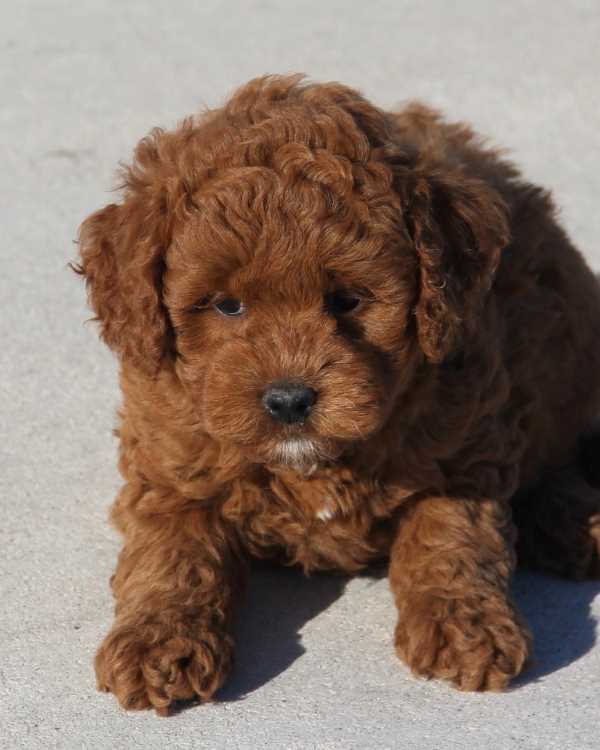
column 81, row 82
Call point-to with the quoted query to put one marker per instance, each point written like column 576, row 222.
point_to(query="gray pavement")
column 81, row 82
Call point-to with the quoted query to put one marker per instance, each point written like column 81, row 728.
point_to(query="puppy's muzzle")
column 289, row 403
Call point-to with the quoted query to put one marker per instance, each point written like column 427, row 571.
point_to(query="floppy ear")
column 122, row 250
column 459, row 227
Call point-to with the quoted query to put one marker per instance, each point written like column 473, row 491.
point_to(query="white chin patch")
column 296, row 451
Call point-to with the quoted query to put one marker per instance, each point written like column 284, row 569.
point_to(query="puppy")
column 344, row 334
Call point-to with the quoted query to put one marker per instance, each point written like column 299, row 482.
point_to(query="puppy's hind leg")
column 559, row 525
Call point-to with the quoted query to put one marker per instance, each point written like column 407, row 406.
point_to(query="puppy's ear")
column 459, row 227
column 122, row 250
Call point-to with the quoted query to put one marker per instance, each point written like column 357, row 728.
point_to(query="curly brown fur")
column 401, row 272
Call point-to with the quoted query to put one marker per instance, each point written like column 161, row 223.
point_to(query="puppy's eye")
column 342, row 301
column 229, row 306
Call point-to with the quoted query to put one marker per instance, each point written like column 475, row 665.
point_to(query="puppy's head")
column 294, row 262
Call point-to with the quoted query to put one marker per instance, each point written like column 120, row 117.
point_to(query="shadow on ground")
column 281, row 601
column 559, row 613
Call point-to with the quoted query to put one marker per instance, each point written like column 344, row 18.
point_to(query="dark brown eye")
column 342, row 301
column 229, row 306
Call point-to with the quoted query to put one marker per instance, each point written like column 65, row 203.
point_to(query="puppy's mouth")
column 296, row 450
column 302, row 453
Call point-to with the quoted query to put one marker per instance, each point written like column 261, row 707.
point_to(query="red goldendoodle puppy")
column 344, row 334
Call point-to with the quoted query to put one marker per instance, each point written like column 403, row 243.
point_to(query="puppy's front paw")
column 476, row 642
column 152, row 664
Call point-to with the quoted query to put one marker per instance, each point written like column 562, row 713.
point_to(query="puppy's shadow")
column 559, row 613
column 279, row 602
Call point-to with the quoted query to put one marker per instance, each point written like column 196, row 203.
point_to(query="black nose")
column 289, row 402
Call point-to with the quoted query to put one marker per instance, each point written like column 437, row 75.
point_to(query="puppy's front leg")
column 176, row 581
column 450, row 571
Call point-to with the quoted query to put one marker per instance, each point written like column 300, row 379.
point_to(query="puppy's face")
column 290, row 305
column 294, row 262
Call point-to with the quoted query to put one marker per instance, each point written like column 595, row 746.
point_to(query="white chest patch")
column 326, row 513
